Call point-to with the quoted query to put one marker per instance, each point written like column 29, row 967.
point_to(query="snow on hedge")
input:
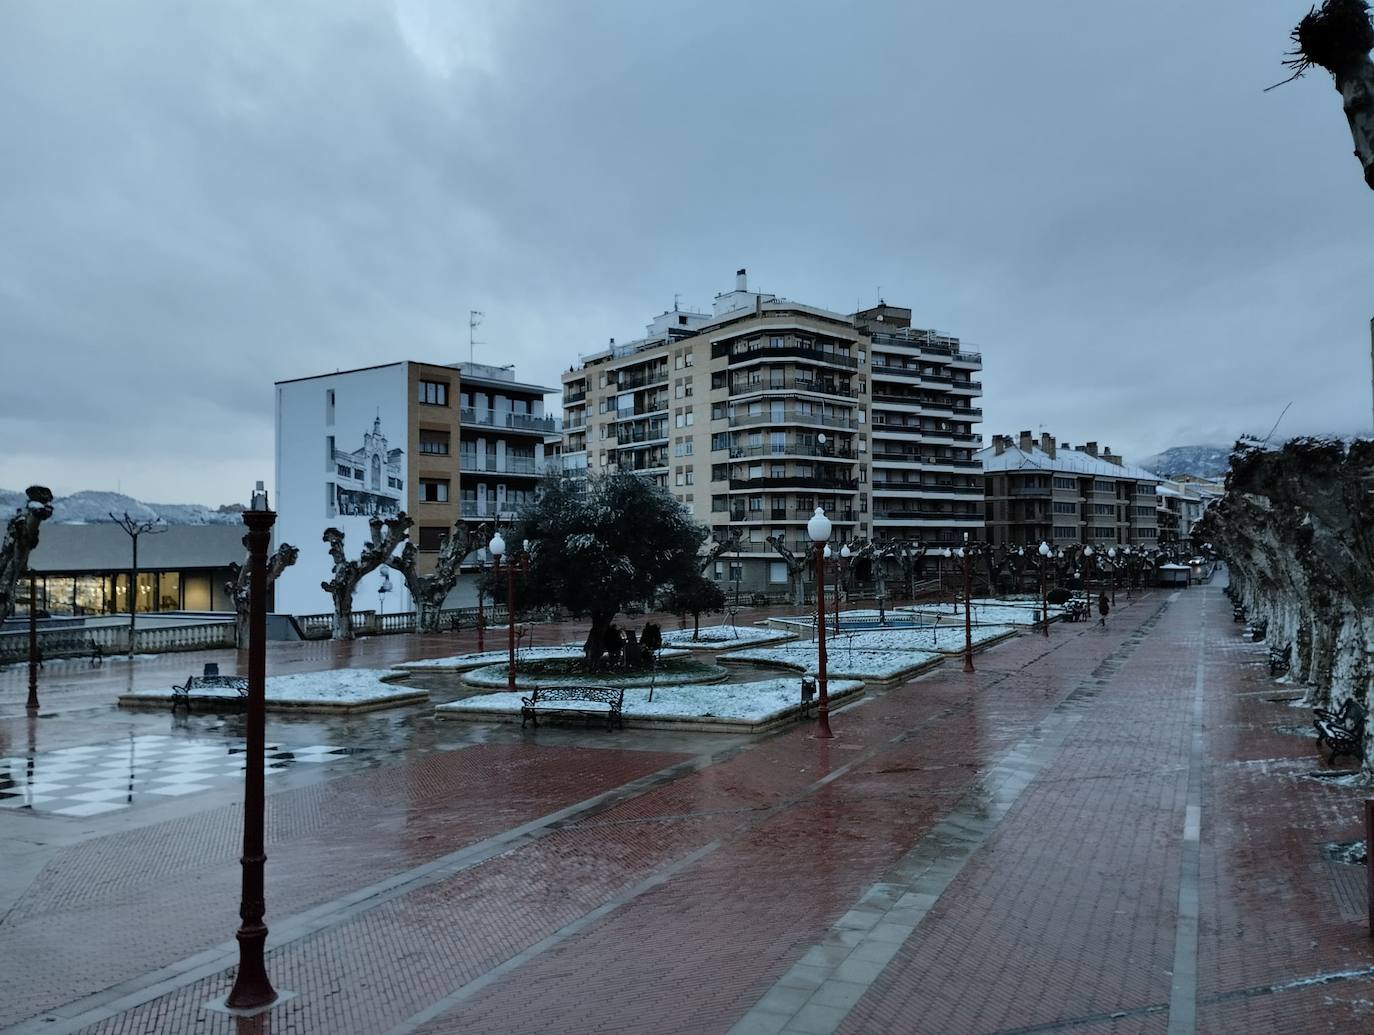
column 336, row 687
column 459, row 662
column 740, row 702
column 714, row 637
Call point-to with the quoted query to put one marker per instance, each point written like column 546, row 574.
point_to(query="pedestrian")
column 1103, row 607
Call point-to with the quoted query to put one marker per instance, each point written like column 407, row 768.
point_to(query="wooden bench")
column 1257, row 631
column 1342, row 730
column 1280, row 660
column 566, row 699
column 182, row 694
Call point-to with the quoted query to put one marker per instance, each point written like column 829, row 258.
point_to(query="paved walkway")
column 1105, row 831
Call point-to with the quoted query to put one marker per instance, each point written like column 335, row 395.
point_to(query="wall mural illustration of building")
column 369, row 481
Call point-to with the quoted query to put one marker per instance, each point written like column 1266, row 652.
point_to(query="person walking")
column 1103, row 607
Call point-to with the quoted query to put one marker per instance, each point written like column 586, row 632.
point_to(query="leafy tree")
column 595, row 550
column 693, row 595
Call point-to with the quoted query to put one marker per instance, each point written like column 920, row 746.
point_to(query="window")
column 756, row 504
column 1061, row 507
column 358, row 473
column 328, row 450
column 1064, row 533
column 689, row 415
column 775, row 342
column 329, row 406
column 433, row 490
column 1065, row 483
column 435, row 443
column 343, row 472
column 431, row 538
column 691, row 479
column 329, row 499
column 435, row 393
column 687, row 361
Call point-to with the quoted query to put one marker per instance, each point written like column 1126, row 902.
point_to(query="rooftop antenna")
column 676, row 296
column 474, row 318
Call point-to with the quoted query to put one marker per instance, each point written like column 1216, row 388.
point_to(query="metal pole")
column 481, row 618
column 1044, row 598
column 510, row 621
column 838, row 569
column 1369, row 857
column 133, row 594
column 252, row 989
column 823, row 700
column 32, row 704
column 968, row 610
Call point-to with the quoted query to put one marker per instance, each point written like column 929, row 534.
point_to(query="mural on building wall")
column 369, row 482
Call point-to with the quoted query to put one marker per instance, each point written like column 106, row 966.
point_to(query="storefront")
column 84, row 569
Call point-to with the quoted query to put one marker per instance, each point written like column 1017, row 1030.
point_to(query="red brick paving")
column 1062, row 918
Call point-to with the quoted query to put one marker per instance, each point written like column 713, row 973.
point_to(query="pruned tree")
column 239, row 578
column 796, row 569
column 911, row 554
column 21, row 537
column 596, row 549
column 386, row 535
column 1338, row 37
column 718, row 547
column 694, row 595
column 430, row 591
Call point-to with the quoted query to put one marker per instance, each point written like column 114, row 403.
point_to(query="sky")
column 197, row 200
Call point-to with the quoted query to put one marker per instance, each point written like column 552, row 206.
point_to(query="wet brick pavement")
column 1003, row 852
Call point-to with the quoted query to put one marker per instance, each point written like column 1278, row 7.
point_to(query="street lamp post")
column 821, row 589
column 818, row 528
column 1087, row 577
column 1044, row 552
column 252, row 989
column 1111, row 555
column 967, row 553
column 32, row 704
column 841, row 576
column 497, row 546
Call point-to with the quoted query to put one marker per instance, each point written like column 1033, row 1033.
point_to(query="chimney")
column 1090, row 448
column 741, row 280
column 1110, row 457
column 1026, row 442
column 999, row 445
column 1047, row 444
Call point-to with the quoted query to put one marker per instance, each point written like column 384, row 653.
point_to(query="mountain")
column 89, row 508
column 1200, row 461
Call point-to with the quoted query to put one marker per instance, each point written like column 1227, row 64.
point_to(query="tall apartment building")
column 439, row 441
column 1046, row 492
column 756, row 413
column 1180, row 503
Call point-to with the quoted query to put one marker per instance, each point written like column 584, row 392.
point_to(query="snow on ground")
column 493, row 657
column 873, row 654
column 342, row 687
column 739, row 702
column 714, row 637
column 989, row 613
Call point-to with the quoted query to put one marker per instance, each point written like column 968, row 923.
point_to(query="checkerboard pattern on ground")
column 99, row 778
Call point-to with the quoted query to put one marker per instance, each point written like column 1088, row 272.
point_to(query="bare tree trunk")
column 595, row 645
column 347, row 574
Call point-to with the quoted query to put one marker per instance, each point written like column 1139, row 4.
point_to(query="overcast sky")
column 199, row 199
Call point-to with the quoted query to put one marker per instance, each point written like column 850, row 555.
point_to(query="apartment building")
column 1040, row 491
column 1179, row 504
column 763, row 409
column 438, row 441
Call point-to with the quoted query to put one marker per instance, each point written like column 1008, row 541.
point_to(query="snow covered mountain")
column 86, row 508
column 1200, row 461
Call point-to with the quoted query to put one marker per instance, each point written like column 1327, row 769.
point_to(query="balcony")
column 820, row 386
column 1031, row 490
column 790, row 417
column 653, row 433
column 472, row 463
column 628, row 382
column 794, row 352
column 937, row 348
column 792, row 515
column 792, row 481
column 793, row 448
column 577, row 396
column 922, row 489
column 902, row 457
column 918, row 514
column 510, row 421
column 658, row 404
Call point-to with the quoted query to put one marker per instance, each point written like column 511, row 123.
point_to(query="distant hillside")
column 88, row 508
column 1200, row 461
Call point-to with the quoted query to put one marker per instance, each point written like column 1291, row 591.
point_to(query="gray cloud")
column 198, row 200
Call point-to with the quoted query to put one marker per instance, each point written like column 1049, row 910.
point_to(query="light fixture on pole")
column 1044, row 552
column 818, row 529
column 1087, row 578
column 966, row 552
column 1111, row 555
column 497, row 546
column 948, row 553
column 841, row 576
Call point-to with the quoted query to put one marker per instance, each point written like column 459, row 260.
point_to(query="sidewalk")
column 1016, row 850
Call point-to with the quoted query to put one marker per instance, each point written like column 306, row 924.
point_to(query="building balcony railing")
column 654, row 433
column 801, row 514
column 790, row 417
column 903, row 457
column 918, row 514
column 1031, row 490
column 484, row 509
column 794, row 352
column 507, row 419
column 812, row 449
column 918, row 487
column 933, row 433
column 641, row 410
column 956, row 412
column 933, row 347
column 569, row 398
column 642, row 379
column 820, row 386
column 791, row 481
column 469, row 463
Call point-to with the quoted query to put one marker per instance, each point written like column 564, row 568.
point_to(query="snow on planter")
column 740, row 707
column 716, row 637
column 339, row 690
column 875, row 653
column 461, row 662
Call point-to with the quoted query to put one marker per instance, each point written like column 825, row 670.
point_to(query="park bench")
column 570, row 699
column 208, row 680
column 1077, row 611
column 1238, row 614
column 1342, row 730
column 1280, row 660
